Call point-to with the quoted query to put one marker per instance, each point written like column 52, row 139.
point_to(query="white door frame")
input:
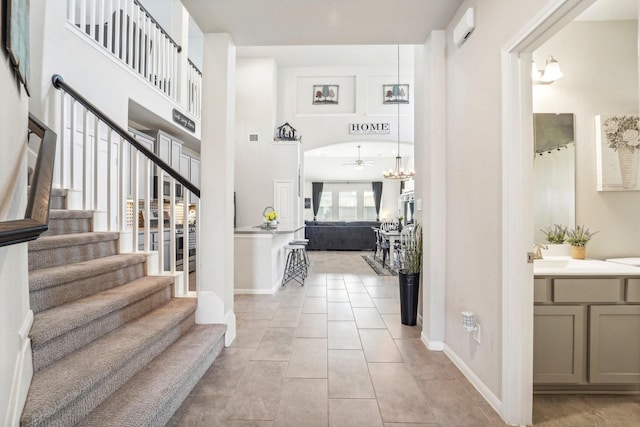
column 517, row 206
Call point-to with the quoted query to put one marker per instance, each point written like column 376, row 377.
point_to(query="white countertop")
column 256, row 229
column 635, row 261
column 567, row 266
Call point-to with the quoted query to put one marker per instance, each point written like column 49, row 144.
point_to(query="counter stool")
column 303, row 242
column 296, row 267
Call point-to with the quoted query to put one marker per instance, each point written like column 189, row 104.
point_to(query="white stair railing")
column 109, row 172
column 127, row 30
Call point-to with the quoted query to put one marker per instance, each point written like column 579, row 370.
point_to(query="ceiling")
column 322, row 22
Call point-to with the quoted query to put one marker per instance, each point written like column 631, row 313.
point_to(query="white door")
column 283, row 196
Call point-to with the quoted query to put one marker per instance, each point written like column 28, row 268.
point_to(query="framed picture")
column 17, row 37
column 307, row 202
column 617, row 152
column 395, row 94
column 325, row 94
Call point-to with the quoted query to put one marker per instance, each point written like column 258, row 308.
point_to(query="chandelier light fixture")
column 399, row 172
column 550, row 74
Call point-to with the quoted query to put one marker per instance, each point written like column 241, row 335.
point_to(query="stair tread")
column 65, row 240
column 57, row 321
column 148, row 392
column 70, row 214
column 62, row 382
column 54, row 276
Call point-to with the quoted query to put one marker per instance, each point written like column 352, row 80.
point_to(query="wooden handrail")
column 59, row 83
column 36, row 219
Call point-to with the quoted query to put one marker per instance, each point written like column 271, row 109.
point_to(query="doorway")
column 517, row 188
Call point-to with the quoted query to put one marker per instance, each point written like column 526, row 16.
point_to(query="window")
column 325, row 211
column 347, row 202
column 369, row 211
column 348, row 205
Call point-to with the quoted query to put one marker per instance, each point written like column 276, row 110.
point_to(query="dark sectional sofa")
column 340, row 235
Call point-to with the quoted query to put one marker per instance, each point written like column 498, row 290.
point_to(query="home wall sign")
column 369, row 128
column 183, row 120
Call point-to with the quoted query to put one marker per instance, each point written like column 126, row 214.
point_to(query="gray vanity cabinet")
column 614, row 344
column 586, row 333
column 559, row 344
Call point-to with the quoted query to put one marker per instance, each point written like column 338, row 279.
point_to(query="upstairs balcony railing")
column 194, row 96
column 127, row 30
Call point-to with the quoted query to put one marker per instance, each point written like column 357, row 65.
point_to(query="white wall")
column 258, row 164
column 474, row 181
column 600, row 65
column 322, row 125
column 14, row 286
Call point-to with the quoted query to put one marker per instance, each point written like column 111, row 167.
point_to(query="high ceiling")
column 322, row 22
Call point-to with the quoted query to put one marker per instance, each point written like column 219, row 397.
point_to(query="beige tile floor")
column 334, row 353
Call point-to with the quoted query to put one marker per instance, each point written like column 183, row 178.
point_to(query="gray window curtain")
column 316, row 194
column 377, row 197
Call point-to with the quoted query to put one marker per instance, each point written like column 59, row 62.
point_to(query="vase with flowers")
column 623, row 135
column 578, row 238
column 270, row 217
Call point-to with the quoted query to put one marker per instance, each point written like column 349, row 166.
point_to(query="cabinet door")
column 148, row 144
column 185, row 163
column 176, row 151
column 559, row 344
column 614, row 344
column 194, row 176
column 163, row 150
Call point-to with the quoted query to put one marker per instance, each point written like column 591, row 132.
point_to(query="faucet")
column 537, row 250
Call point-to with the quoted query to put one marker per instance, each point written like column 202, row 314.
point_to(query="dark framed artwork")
column 395, row 94
column 325, row 94
column 17, row 37
column 307, row 202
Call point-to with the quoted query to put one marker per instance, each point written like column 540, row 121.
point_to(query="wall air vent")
column 254, row 137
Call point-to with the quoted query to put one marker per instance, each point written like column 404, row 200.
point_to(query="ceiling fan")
column 359, row 163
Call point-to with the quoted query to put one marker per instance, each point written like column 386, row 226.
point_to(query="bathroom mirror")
column 553, row 171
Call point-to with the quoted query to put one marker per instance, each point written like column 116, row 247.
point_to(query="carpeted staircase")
column 111, row 346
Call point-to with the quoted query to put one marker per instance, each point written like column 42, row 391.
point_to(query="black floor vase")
column 409, row 286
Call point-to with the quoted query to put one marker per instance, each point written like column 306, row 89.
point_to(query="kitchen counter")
column 259, row 258
column 256, row 229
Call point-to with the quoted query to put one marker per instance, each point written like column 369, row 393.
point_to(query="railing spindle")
column 83, row 16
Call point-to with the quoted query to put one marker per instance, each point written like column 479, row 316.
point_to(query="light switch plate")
column 419, row 205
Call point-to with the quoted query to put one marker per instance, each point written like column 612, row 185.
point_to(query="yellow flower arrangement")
column 271, row 216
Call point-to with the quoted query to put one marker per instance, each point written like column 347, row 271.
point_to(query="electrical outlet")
column 476, row 333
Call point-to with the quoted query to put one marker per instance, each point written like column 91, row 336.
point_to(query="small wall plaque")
column 183, row 120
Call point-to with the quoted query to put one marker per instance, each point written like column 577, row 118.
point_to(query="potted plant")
column 556, row 234
column 400, row 225
column 578, row 239
column 556, row 237
column 409, row 277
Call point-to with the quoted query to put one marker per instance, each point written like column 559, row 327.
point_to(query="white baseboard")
column 432, row 345
column 230, row 321
column 22, row 374
column 482, row 388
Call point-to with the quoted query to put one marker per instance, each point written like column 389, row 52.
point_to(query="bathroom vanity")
column 586, row 326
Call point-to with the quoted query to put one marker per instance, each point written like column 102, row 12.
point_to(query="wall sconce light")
column 550, row 74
